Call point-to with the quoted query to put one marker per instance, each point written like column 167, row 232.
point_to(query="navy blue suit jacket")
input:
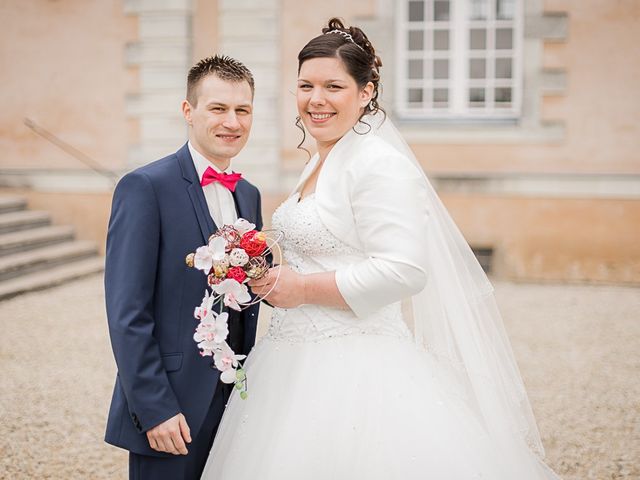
column 159, row 215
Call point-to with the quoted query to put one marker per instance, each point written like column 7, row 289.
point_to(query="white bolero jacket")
column 374, row 199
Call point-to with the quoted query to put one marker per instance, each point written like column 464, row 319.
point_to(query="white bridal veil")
column 456, row 319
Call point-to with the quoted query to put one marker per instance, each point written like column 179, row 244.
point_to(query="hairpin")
column 347, row 36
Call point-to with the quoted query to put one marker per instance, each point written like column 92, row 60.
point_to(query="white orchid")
column 243, row 226
column 208, row 254
column 222, row 327
column 211, row 335
column 226, row 361
column 235, row 293
column 205, row 333
column 205, row 309
column 238, row 257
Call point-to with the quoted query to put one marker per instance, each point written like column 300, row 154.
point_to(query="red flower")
column 237, row 274
column 253, row 242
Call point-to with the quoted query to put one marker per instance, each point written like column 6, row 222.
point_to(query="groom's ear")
column 186, row 112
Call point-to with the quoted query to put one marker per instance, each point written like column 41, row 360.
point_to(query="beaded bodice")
column 309, row 247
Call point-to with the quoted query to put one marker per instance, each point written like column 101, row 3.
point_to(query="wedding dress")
column 339, row 396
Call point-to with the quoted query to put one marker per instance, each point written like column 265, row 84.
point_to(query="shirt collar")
column 200, row 162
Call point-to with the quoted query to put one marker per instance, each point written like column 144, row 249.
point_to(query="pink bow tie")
column 227, row 180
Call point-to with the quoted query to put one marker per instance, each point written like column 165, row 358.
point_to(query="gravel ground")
column 578, row 348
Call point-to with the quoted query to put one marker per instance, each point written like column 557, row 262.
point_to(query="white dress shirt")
column 219, row 198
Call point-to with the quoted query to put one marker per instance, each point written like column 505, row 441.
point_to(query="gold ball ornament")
column 256, row 267
column 220, row 269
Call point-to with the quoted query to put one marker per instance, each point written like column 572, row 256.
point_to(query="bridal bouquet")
column 234, row 255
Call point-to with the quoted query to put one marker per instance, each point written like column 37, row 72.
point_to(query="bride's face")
column 329, row 99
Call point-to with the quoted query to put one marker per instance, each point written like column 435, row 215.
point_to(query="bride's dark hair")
column 351, row 45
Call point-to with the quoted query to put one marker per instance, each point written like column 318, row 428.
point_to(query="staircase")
column 35, row 254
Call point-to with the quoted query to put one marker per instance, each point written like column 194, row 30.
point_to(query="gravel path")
column 578, row 349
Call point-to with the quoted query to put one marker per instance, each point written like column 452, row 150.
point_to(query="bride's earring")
column 360, row 121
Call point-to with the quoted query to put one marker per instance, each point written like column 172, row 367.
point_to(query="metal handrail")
column 71, row 150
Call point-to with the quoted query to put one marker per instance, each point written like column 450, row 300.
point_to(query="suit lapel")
column 244, row 208
column 207, row 226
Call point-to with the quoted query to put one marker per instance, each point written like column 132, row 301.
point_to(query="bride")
column 386, row 356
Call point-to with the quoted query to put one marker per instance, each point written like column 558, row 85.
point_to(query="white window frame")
column 459, row 55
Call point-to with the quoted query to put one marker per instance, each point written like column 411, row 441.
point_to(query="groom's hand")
column 170, row 436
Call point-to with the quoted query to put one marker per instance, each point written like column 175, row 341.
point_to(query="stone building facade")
column 530, row 132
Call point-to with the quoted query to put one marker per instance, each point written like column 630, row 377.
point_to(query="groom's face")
column 220, row 121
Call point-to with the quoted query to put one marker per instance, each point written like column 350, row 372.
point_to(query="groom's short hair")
column 222, row 66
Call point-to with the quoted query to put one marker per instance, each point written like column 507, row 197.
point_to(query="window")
column 459, row 59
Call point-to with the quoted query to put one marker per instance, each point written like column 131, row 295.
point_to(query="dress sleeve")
column 389, row 206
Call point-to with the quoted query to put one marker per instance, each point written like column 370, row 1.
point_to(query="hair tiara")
column 347, row 36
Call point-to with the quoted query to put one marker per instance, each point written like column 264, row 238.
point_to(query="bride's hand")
column 284, row 291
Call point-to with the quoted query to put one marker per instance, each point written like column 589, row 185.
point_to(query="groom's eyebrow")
column 226, row 105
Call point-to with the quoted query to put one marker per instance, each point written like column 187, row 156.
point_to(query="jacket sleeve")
column 389, row 206
column 130, row 277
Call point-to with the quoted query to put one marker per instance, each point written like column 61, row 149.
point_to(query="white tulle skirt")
column 356, row 407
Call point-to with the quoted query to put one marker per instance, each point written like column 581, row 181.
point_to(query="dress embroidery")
column 309, row 247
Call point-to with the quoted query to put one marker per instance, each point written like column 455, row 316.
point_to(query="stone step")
column 12, row 204
column 51, row 277
column 29, row 239
column 46, row 257
column 23, row 220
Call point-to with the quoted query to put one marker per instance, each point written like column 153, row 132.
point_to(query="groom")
column 168, row 400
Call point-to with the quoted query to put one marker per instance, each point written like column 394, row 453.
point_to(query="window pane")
column 416, row 11
column 441, row 11
column 477, row 68
column 441, row 40
column 415, row 95
column 476, row 97
column 503, row 95
column 441, row 96
column 503, row 67
column 505, row 9
column 478, row 39
column 479, row 9
column 441, row 69
column 504, row 38
column 416, row 39
column 415, row 69
column 490, row 60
